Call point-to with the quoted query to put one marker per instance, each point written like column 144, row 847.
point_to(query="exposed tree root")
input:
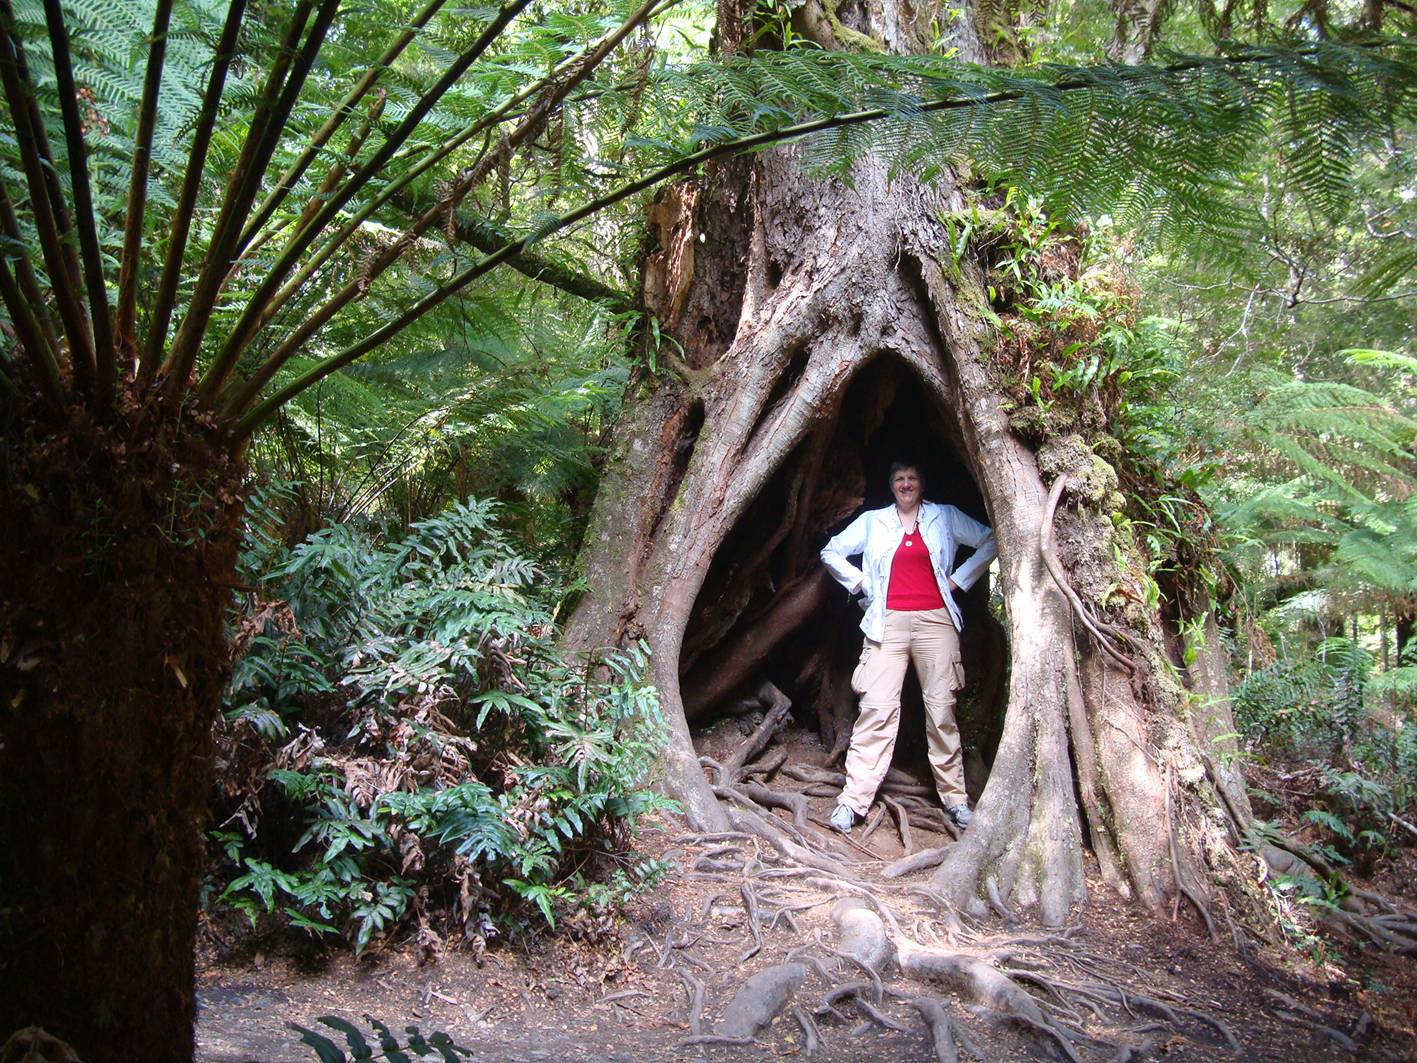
column 1360, row 915
column 1403, row 823
column 902, row 822
column 717, row 836
column 760, row 999
column 984, row 984
column 1183, row 886
column 908, row 865
column 785, row 866
column 874, row 819
column 942, row 1030
column 751, row 794
column 991, row 886
column 1084, row 615
column 750, row 908
column 930, row 817
column 810, row 1031
column 766, row 765
column 778, row 704
column 896, row 783
column 1013, row 980
column 853, row 991
column 696, row 990
column 713, row 1039
column 862, row 937
column 773, row 835
column 773, row 721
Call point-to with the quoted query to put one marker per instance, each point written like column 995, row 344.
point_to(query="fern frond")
column 1160, row 144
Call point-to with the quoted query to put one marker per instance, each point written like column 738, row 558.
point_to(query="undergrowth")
column 1331, row 747
column 403, row 750
column 437, row 1044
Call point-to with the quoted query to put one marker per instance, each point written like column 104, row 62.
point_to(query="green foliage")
column 1323, row 501
column 107, row 42
column 1302, row 708
column 445, row 763
column 1303, row 429
column 1075, row 356
column 1163, row 147
column 327, row 1051
column 1322, row 711
column 512, row 406
column 1071, row 345
column 1159, row 146
column 1352, row 814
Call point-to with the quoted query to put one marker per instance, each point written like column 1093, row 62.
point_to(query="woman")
column 907, row 578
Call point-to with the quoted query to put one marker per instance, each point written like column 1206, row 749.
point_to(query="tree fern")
column 1158, row 145
column 1088, row 139
column 1332, row 473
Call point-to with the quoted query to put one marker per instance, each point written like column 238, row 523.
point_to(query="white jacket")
column 875, row 535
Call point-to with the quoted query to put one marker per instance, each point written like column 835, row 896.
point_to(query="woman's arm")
column 849, row 542
column 970, row 532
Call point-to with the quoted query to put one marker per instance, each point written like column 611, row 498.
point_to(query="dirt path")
column 1117, row 985
column 578, row 1001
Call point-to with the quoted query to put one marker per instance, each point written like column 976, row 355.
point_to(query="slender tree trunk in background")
column 810, row 313
column 1136, row 29
column 126, row 529
column 1404, row 626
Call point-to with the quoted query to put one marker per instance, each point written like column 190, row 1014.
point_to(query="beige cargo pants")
column 929, row 639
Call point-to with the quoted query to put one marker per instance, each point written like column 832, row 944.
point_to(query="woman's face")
column 905, row 485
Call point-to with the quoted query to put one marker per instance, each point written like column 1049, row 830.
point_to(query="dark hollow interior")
column 772, row 555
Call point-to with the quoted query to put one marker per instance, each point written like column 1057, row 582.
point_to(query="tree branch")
column 332, row 179
column 25, row 275
column 553, row 89
column 125, row 320
column 1045, row 549
column 488, row 121
column 1073, row 82
column 28, row 333
column 282, row 88
column 46, row 202
column 341, row 112
column 486, row 237
column 171, row 280
column 82, row 195
column 250, row 319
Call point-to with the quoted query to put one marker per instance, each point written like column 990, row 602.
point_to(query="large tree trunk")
column 816, row 317
column 120, row 541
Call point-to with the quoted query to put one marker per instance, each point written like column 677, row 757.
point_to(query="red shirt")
column 912, row 585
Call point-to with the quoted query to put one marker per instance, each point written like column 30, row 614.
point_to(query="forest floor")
column 661, row 983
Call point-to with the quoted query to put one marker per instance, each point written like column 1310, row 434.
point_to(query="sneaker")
column 961, row 815
column 842, row 818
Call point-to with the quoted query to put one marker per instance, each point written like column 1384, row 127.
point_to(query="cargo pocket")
column 858, row 677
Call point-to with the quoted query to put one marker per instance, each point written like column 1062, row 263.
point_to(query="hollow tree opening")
column 768, row 611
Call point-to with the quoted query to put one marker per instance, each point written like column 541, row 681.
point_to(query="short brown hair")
column 900, row 466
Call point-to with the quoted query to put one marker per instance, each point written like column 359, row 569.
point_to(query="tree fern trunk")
column 120, row 544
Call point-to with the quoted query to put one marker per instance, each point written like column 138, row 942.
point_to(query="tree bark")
column 120, row 543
